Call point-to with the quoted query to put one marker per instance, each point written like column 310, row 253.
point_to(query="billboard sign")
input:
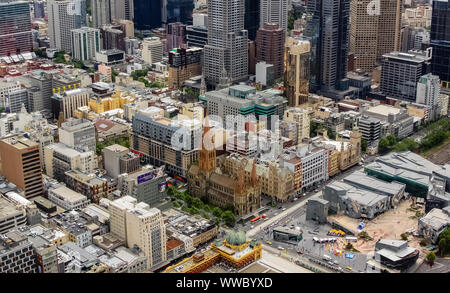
column 145, row 177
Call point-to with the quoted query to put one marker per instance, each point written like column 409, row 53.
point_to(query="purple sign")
column 145, row 177
column 162, row 186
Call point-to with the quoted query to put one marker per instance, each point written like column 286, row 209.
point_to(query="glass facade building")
column 147, row 14
column 440, row 39
column 15, row 28
column 178, row 11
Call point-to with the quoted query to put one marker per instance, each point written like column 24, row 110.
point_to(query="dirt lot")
column 388, row 225
column 440, row 155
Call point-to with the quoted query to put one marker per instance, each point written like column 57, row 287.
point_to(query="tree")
column 404, row 236
column 392, row 140
column 431, row 257
column 197, row 202
column 176, row 204
column 229, row 207
column 228, row 218
column 217, row 212
column 383, row 145
column 445, row 235
column 442, row 246
column 364, row 145
column 312, row 128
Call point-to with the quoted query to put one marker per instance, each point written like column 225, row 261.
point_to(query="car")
column 279, row 208
column 348, row 268
column 299, row 252
column 283, row 209
column 335, row 262
column 331, row 263
column 180, row 186
column 268, row 242
column 280, row 248
column 295, row 199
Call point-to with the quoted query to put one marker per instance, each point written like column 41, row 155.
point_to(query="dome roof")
column 236, row 237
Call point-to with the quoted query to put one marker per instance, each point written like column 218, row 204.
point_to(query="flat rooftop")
column 19, row 142
column 383, row 110
column 8, row 208
column 68, row 194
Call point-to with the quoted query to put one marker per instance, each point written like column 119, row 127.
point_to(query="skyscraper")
column 101, row 12
column 15, row 28
column 175, row 35
column 85, row 42
column 389, row 26
column 270, row 47
column 147, row 14
column 122, row 9
column 227, row 46
column 376, row 33
column 274, row 11
column 251, row 18
column 177, row 11
column 428, row 93
column 440, row 39
column 296, row 78
column 400, row 73
column 328, row 30
column 64, row 16
column 152, row 50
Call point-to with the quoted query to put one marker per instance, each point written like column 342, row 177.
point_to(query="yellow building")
column 235, row 250
column 116, row 101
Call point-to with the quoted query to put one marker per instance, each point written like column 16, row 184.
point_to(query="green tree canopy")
column 228, row 218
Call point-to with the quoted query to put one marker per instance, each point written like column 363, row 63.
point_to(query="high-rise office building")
column 296, row 79
column 400, row 73
column 440, row 40
column 140, row 225
column 85, row 43
column 63, row 17
column 274, row 11
column 67, row 102
column 15, row 28
column 152, row 50
column 270, row 47
column 175, row 35
column 184, row 64
column 251, row 18
column 154, row 140
column 328, row 25
column 227, row 47
column 113, row 37
column 147, row 14
column 428, row 93
column 78, row 134
column 177, row 11
column 101, row 12
column 376, row 33
column 21, row 164
column 389, row 27
column 39, row 9
column 122, row 9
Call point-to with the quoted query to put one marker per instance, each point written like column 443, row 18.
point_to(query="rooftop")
column 68, row 194
column 19, row 142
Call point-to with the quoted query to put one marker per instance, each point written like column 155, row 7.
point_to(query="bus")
column 179, row 178
column 255, row 219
